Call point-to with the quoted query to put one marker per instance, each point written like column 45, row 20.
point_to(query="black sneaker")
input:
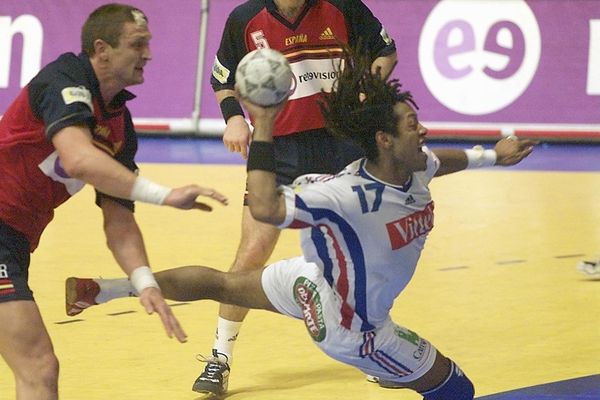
column 215, row 378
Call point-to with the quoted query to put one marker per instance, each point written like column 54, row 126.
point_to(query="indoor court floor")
column 496, row 289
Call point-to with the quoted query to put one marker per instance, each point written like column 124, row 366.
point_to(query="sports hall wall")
column 475, row 67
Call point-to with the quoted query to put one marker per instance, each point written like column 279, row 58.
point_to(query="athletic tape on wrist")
column 477, row 157
column 146, row 191
column 230, row 107
column 142, row 278
column 261, row 157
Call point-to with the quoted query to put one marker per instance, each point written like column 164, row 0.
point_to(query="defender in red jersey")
column 70, row 126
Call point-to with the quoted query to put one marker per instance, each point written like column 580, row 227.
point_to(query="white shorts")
column 390, row 352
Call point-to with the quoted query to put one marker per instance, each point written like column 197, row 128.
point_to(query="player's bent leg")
column 456, row 386
column 400, row 358
column 432, row 378
column 256, row 243
column 256, row 246
column 191, row 283
column 27, row 349
column 242, row 288
column 444, row 381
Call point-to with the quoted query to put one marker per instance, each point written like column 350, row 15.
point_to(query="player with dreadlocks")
column 358, row 117
column 363, row 231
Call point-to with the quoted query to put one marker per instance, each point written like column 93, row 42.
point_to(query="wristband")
column 230, row 107
column 477, row 157
column 142, row 278
column 261, row 157
column 146, row 191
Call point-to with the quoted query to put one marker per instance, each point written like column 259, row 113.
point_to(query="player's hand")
column 263, row 118
column 236, row 137
column 153, row 301
column 511, row 150
column 185, row 198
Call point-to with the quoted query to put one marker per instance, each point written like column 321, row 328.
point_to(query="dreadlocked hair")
column 361, row 102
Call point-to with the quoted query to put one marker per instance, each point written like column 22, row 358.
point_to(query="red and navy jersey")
column 311, row 45
column 64, row 93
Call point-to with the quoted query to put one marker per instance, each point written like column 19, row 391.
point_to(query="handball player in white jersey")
column 363, row 231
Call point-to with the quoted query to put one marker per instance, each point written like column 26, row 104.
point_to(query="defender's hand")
column 153, row 301
column 185, row 198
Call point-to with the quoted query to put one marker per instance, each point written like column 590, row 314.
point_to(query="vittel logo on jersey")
column 404, row 230
column 477, row 57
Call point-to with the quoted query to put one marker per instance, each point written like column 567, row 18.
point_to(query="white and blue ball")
column 264, row 77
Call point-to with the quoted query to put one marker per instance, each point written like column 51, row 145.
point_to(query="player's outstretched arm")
column 507, row 151
column 125, row 241
column 82, row 160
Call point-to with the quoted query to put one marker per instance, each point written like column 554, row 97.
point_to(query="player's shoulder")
column 66, row 61
column 67, row 65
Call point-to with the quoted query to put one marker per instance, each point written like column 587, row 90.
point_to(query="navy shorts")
column 14, row 265
column 311, row 152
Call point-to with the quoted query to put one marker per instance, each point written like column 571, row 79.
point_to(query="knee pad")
column 456, row 387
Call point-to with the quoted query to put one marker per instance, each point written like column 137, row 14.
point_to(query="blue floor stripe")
column 184, row 150
column 586, row 388
column 190, row 150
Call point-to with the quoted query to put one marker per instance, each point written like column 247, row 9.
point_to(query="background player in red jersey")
column 70, row 126
column 308, row 33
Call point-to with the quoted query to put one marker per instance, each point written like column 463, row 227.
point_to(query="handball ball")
column 264, row 77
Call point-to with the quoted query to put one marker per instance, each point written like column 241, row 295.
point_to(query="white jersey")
column 366, row 235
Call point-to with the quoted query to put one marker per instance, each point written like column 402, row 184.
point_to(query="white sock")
column 226, row 335
column 111, row 289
